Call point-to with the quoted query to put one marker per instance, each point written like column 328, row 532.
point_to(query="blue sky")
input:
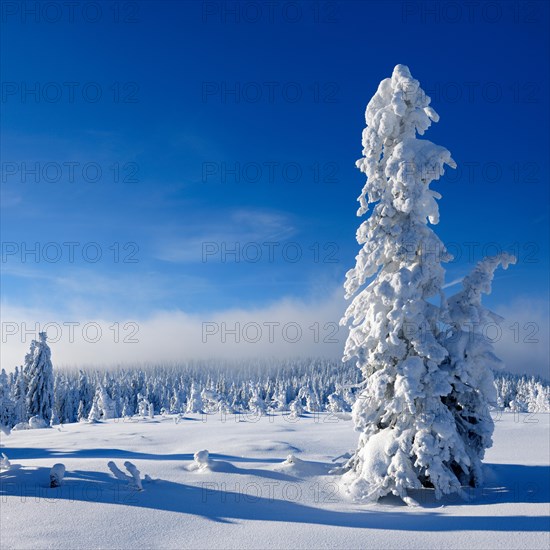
column 164, row 130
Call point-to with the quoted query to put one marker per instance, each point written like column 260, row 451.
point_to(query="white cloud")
column 285, row 329
column 186, row 244
column 288, row 328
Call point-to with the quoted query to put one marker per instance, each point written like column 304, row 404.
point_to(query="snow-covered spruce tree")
column 95, row 414
column 38, row 373
column 409, row 437
column 19, row 396
column 7, row 409
column 107, row 406
column 194, row 403
column 471, row 362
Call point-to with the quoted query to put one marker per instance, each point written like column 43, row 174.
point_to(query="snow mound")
column 37, row 423
column 303, row 468
column 21, row 426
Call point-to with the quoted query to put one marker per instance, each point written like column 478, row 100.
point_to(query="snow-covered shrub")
column 105, row 405
column 335, row 403
column 201, row 460
column 292, row 460
column 194, row 404
column 57, row 473
column 296, row 409
column 37, row 423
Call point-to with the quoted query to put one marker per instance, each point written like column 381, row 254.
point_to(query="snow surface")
column 267, row 485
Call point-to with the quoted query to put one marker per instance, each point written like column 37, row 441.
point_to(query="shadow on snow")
column 214, row 502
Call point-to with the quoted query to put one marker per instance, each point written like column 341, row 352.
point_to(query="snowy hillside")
column 247, row 493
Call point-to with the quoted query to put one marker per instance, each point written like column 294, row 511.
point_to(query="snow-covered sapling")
column 5, row 464
column 194, row 403
column 135, row 473
column 94, row 414
column 201, row 460
column 296, row 409
column 54, row 419
column 133, row 480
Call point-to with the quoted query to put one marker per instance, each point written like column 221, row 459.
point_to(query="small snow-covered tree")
column 471, row 363
column 194, row 403
column 94, row 414
column 54, row 419
column 143, row 406
column 80, row 415
column 126, row 412
column 410, row 434
column 335, row 403
column 19, row 396
column 295, row 408
column 106, row 405
column 39, row 375
column 175, row 402
column 7, row 412
column 256, row 404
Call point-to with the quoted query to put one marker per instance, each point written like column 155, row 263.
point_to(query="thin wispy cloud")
column 185, row 244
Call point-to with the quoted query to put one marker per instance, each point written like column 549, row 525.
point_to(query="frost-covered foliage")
column 229, row 388
column 38, row 373
column 423, row 413
column 522, row 393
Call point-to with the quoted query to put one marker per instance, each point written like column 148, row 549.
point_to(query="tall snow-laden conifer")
column 424, row 412
column 409, row 437
column 38, row 373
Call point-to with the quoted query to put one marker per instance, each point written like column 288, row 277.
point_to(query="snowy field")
column 247, row 495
